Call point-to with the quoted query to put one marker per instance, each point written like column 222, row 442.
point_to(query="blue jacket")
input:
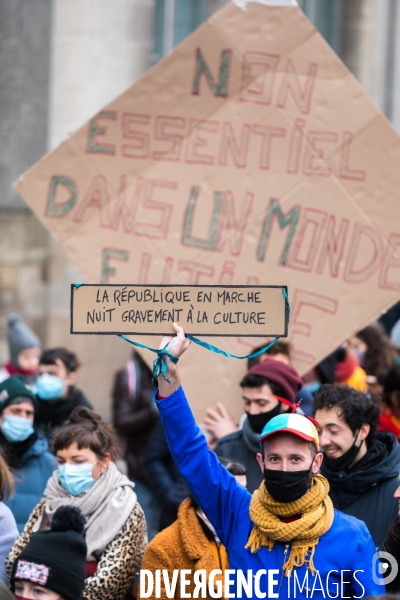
column 37, row 465
column 343, row 556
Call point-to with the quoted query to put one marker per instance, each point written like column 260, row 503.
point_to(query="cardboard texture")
column 249, row 155
column 227, row 311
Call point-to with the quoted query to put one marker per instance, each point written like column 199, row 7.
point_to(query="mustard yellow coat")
column 183, row 545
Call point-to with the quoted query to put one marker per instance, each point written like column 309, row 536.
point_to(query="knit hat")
column 298, row 425
column 280, row 373
column 395, row 335
column 15, row 387
column 56, row 558
column 19, row 337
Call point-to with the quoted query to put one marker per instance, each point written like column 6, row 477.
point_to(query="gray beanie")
column 19, row 338
column 395, row 335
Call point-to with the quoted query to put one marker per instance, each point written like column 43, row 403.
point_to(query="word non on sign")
column 204, row 310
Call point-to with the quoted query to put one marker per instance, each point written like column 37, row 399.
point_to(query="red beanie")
column 280, row 373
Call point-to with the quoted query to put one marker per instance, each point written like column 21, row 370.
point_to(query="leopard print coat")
column 118, row 564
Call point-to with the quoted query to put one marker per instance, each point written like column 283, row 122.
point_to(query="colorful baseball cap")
column 292, row 423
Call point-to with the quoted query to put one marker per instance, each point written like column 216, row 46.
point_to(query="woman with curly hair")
column 374, row 349
column 376, row 354
column 87, row 478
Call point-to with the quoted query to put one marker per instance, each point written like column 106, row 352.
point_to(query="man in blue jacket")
column 25, row 451
column 287, row 534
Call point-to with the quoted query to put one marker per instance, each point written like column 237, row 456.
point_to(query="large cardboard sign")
column 205, row 310
column 250, row 155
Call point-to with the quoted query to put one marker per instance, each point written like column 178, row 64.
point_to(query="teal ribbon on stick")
column 228, row 354
column 160, row 364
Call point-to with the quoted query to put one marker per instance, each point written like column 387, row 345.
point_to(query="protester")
column 395, row 339
column 24, row 349
column 56, row 390
column 134, row 417
column 218, row 423
column 390, row 318
column 390, row 416
column 25, row 450
column 392, row 546
column 169, row 488
column 52, row 565
column 360, row 463
column 190, row 543
column 348, row 370
column 376, row 355
column 8, row 526
column 374, row 349
column 281, row 350
column 289, row 524
column 323, row 372
column 341, row 366
column 260, row 386
column 88, row 478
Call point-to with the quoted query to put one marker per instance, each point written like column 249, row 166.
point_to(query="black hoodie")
column 51, row 414
column 366, row 491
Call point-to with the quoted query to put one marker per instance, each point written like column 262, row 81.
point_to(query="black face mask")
column 341, row 463
column 258, row 422
column 287, row 486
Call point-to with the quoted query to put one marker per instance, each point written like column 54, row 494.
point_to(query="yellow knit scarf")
column 316, row 510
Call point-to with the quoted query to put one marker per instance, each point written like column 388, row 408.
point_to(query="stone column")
column 24, row 90
column 99, row 49
column 364, row 45
column 25, row 28
column 393, row 70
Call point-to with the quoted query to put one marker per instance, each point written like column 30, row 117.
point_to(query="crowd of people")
column 305, row 484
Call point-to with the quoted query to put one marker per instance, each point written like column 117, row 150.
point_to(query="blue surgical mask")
column 17, row 429
column 76, row 479
column 49, row 387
